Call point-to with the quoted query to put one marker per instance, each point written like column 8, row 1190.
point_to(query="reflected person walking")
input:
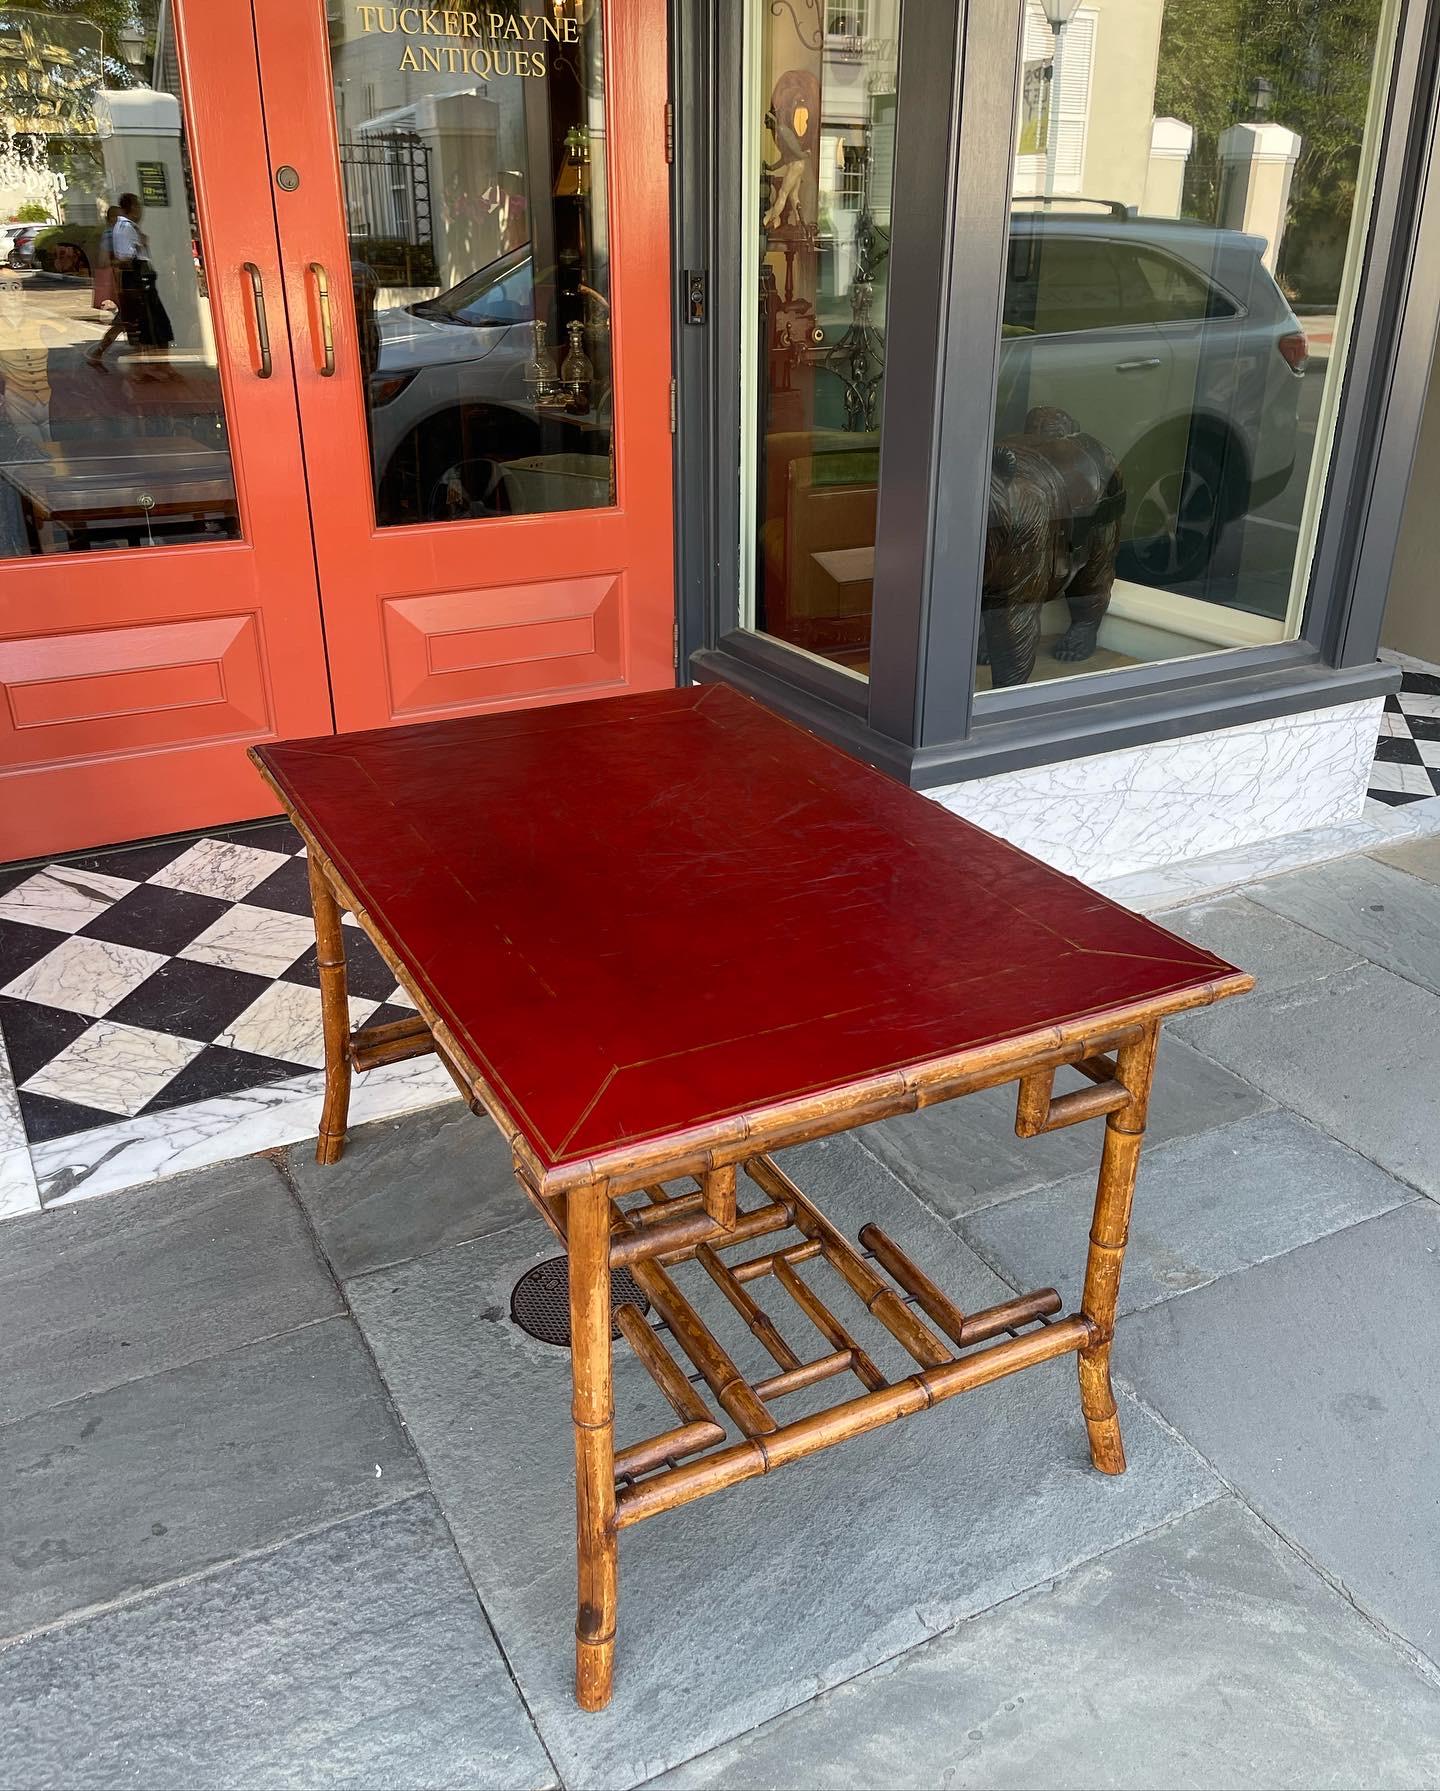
column 141, row 314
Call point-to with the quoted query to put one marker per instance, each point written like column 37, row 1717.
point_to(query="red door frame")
column 491, row 613
column 132, row 680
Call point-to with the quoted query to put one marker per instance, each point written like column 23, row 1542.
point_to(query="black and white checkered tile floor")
column 156, row 975
column 1407, row 755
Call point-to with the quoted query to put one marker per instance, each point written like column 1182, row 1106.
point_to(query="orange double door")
column 336, row 396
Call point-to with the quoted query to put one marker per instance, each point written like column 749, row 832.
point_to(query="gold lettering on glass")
column 493, row 46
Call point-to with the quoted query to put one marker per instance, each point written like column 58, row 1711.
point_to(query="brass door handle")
column 262, row 325
column 327, row 334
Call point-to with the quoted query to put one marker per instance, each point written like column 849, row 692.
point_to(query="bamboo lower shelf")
column 954, row 1356
column 746, row 1433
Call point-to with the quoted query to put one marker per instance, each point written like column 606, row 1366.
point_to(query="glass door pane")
column 112, row 422
column 1189, row 208
column 820, row 132
column 472, row 152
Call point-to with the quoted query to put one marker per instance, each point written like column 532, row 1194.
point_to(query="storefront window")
column 819, row 136
column 474, row 172
column 1190, row 190
column 112, row 421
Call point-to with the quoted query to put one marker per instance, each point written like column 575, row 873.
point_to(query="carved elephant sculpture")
column 1057, row 498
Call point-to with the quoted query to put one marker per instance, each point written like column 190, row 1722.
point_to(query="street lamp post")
column 1059, row 13
column 130, row 41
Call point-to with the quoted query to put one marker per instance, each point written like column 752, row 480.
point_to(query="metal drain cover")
column 540, row 1299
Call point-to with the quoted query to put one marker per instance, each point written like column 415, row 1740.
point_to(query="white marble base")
column 1172, row 886
column 1146, row 806
column 18, row 1193
column 109, row 1158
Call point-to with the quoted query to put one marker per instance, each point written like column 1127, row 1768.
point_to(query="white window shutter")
column 1071, row 108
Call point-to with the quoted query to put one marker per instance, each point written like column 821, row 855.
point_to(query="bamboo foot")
column 330, row 1146
column 1097, row 1401
column 594, row 1672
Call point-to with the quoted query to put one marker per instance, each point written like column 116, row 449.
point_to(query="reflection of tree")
column 54, row 56
column 1316, row 56
column 55, row 53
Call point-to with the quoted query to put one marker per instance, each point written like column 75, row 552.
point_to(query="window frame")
column 919, row 715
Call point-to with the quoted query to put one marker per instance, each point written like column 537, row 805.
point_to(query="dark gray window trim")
column 817, row 677
column 928, row 141
column 973, row 273
column 1295, row 682
column 704, row 87
column 1392, row 355
column 938, row 517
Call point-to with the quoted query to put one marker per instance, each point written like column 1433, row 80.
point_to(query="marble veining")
column 62, row 898
column 84, row 976
column 1409, row 818
column 18, row 1192
column 285, row 1023
column 1143, row 807
column 109, row 1158
column 264, row 941
column 1174, row 885
column 12, row 1126
column 118, row 1068
column 222, row 868
column 1407, row 780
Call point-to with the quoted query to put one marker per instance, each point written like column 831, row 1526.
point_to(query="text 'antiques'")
column 489, row 43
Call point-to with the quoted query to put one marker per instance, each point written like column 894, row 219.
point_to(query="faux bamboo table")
column 655, row 938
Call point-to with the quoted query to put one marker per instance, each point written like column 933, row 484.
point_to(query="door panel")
column 95, row 692
column 488, row 534
column 158, row 608
column 479, row 649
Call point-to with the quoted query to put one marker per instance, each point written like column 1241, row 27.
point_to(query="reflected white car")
column 1171, row 343
column 449, row 402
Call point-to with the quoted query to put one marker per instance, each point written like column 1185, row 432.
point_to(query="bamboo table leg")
column 1119, row 1163
column 593, row 1410
column 335, row 1012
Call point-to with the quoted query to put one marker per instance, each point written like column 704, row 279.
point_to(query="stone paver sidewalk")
column 286, row 1495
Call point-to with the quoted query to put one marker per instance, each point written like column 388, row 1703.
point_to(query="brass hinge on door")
column 669, row 132
column 674, row 406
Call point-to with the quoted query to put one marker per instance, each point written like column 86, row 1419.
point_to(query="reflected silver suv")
column 450, row 408
column 1171, row 343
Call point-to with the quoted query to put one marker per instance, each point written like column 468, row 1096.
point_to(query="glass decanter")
column 576, row 373
column 541, row 373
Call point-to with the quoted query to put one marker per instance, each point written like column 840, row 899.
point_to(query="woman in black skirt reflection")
column 141, row 314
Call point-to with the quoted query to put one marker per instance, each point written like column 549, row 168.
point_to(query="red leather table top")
column 646, row 914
